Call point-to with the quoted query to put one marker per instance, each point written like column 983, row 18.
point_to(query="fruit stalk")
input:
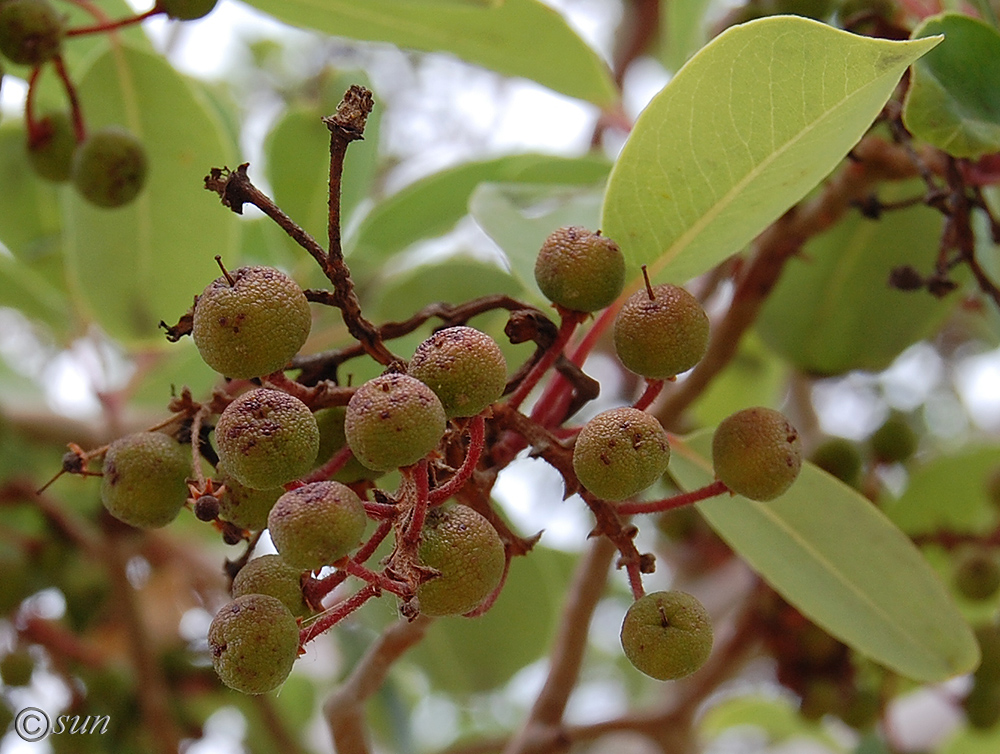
column 676, row 501
column 477, row 436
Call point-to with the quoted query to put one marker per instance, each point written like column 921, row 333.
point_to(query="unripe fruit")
column 977, row 576
column 895, row 441
column 145, row 479
column 620, row 452
column 109, row 168
column 464, row 367
column 469, row 554
column 254, row 641
column 393, row 421
column 271, row 575
column 840, row 457
column 756, row 453
column 251, row 323
column 51, row 147
column 186, row 10
column 31, row 31
column 332, row 439
column 579, row 269
column 316, row 524
column 267, row 438
column 667, row 635
column 245, row 506
column 662, row 336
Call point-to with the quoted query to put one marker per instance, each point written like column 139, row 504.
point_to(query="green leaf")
column 948, row 493
column 516, row 38
column 431, row 206
column 753, row 121
column 973, row 741
column 833, row 310
column 25, row 290
column 30, row 224
column 842, row 563
column 953, row 102
column 146, row 261
column 683, row 33
column 753, row 377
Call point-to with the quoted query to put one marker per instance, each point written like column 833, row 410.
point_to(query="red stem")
column 337, row 614
column 570, row 319
column 422, row 483
column 653, row 388
column 368, row 548
column 74, row 102
column 677, row 501
column 375, row 579
column 29, row 104
column 381, row 511
column 331, row 467
column 106, row 25
column 477, row 437
column 635, row 579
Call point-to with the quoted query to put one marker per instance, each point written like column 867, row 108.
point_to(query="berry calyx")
column 620, row 452
column 51, row 147
column 661, row 331
column 254, row 641
column 267, row 438
column 250, row 322
column 756, row 453
column 244, row 506
column 186, row 10
column 109, row 168
column 31, row 31
column 145, row 479
column 464, row 367
column 316, row 524
column 579, row 269
column 464, row 547
column 271, row 575
column 667, row 635
column 393, row 421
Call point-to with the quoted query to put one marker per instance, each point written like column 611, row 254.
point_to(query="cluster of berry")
column 107, row 167
column 448, row 559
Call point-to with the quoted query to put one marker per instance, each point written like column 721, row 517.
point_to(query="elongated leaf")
column 23, row 289
column 839, row 560
column 833, row 310
column 517, row 37
column 144, row 262
column 753, row 121
column 431, row 207
column 953, row 101
column 30, row 224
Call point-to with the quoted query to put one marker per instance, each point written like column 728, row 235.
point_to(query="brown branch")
column 345, row 710
column 874, row 160
column 542, row 732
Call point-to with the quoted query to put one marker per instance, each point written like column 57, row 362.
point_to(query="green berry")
column 316, row 524
column 977, row 576
column 464, row 367
column 393, row 421
column 271, row 575
column 468, row 553
column 661, row 335
column 332, row 439
column 144, row 481
column 110, row 167
column 579, row 269
column 620, row 452
column 267, row 438
column 251, row 322
column 254, row 641
column 756, row 453
column 667, row 635
column 895, row 441
column 51, row 147
column 186, row 10
column 839, row 457
column 245, row 506
column 31, row 31
column 17, row 668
